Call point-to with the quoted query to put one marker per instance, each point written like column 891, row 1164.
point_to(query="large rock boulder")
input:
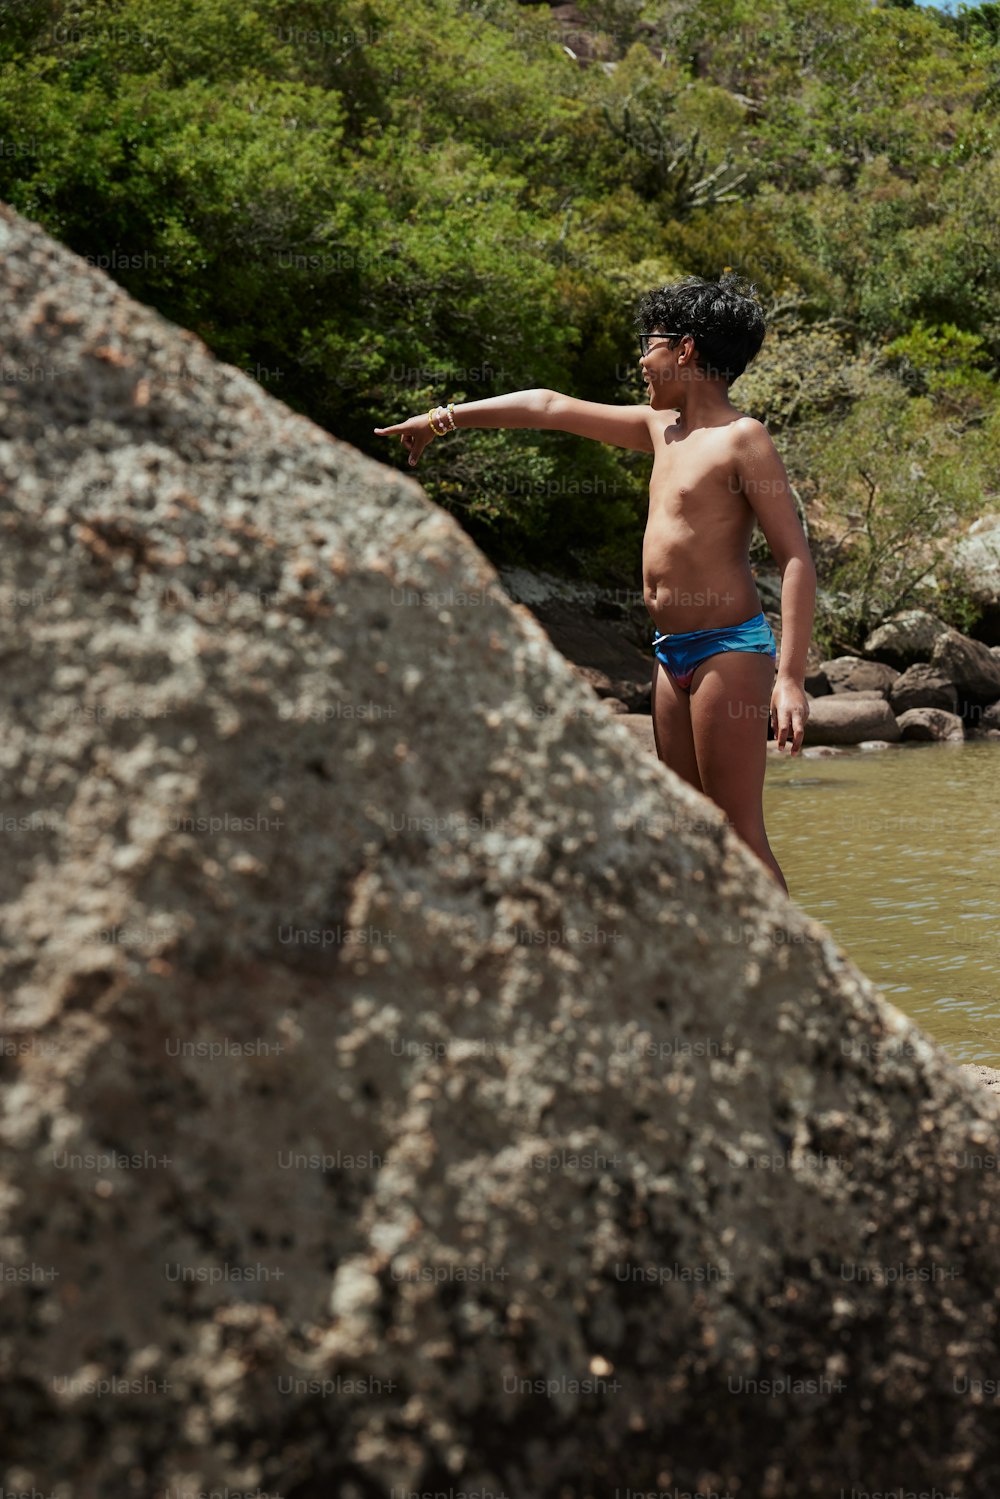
column 970, row 665
column 853, row 674
column 923, row 686
column 849, row 718
column 983, row 723
column 931, row 723
column 905, row 638
column 976, row 558
column 408, row 1084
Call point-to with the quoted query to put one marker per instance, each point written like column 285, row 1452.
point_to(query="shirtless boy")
column 715, row 472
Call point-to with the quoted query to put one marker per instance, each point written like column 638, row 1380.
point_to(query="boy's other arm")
column 765, row 484
column 545, row 410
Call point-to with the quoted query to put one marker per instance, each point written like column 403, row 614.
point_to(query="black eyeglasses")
column 645, row 339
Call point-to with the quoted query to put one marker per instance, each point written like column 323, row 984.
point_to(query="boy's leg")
column 730, row 703
column 672, row 726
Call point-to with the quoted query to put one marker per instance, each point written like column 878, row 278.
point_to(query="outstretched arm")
column 546, row 410
column 765, row 484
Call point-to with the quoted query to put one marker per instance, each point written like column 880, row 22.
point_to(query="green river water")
column 897, row 852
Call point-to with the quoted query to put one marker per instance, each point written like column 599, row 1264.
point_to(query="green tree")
column 376, row 207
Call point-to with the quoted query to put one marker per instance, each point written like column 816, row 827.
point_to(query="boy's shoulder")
column 748, row 433
column 749, row 426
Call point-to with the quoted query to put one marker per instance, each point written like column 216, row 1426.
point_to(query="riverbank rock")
column 905, row 638
column 976, row 557
column 849, row 718
column 983, row 723
column 405, row 1084
column 970, row 665
column 931, row 723
column 923, row 686
column 853, row 674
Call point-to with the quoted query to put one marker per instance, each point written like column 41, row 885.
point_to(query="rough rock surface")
column 931, row 723
column 983, row 723
column 970, row 664
column 923, row 686
column 405, row 1083
column 977, row 557
column 640, row 727
column 848, row 718
column 988, row 1076
column 852, row 674
column 905, row 639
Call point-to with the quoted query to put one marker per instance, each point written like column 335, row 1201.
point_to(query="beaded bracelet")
column 443, row 415
column 446, row 416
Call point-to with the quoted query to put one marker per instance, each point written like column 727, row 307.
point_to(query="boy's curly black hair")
column 724, row 318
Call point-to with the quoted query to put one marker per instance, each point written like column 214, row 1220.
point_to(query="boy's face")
column 669, row 359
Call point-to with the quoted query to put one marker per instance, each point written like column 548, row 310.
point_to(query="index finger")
column 388, row 431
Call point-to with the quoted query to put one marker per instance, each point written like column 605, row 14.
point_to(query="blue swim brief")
column 682, row 653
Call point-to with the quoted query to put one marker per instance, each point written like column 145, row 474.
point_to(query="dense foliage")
column 373, row 207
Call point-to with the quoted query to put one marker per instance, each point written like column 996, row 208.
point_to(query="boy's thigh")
column 672, row 726
column 730, row 706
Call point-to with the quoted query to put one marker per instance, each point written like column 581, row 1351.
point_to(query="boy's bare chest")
column 692, row 476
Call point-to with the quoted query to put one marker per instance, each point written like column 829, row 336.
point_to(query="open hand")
column 789, row 714
column 415, row 433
